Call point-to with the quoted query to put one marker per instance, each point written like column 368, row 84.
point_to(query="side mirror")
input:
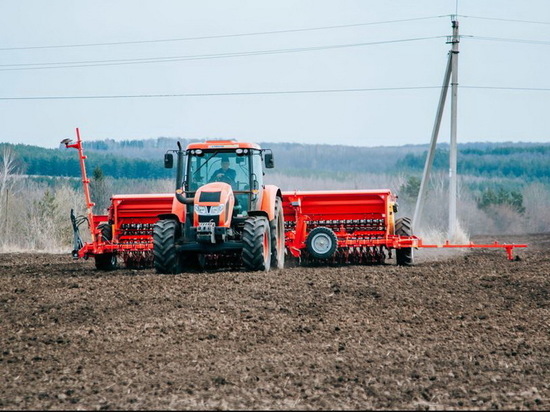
column 269, row 162
column 168, row 160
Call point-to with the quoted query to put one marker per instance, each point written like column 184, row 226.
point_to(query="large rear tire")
column 166, row 258
column 404, row 256
column 256, row 244
column 105, row 261
column 277, row 230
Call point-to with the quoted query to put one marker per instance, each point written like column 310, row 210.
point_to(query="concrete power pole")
column 451, row 76
column 453, row 148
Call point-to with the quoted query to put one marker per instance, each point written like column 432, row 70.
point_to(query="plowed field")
column 467, row 331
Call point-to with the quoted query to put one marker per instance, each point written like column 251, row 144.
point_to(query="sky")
column 350, row 72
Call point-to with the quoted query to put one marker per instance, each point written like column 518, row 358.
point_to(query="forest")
column 135, row 159
column 503, row 187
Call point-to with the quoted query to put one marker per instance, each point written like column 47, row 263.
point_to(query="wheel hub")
column 321, row 243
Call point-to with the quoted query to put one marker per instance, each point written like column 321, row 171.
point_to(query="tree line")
column 143, row 159
column 34, row 160
column 529, row 163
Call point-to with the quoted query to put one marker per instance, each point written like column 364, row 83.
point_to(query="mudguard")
column 177, row 212
column 271, row 192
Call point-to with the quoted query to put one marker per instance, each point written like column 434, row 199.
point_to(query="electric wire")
column 509, row 40
column 272, row 92
column 537, row 89
column 505, row 20
column 223, row 35
column 93, row 63
column 117, row 62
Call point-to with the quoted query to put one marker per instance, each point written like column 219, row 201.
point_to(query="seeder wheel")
column 321, row 243
column 106, row 261
column 404, row 256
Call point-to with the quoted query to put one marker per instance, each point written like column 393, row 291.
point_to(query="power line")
column 116, row 62
column 141, row 96
column 273, row 92
column 221, row 35
column 508, row 40
column 537, row 89
column 507, row 20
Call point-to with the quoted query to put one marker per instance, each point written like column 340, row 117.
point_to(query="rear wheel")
column 277, row 230
column 256, row 244
column 321, row 243
column 166, row 258
column 404, row 256
column 105, row 261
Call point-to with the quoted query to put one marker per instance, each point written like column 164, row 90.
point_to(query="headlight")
column 209, row 210
column 216, row 210
column 201, row 210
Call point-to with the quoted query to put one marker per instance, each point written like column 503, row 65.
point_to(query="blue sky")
column 389, row 64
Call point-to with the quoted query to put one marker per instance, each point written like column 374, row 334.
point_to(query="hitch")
column 77, row 239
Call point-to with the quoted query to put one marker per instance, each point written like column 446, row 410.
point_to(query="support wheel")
column 321, row 243
column 105, row 261
column 256, row 244
column 277, row 230
column 166, row 258
column 404, row 256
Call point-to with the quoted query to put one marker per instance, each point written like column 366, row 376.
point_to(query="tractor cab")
column 239, row 165
column 240, row 168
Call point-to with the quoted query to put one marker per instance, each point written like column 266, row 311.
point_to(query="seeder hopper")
column 223, row 215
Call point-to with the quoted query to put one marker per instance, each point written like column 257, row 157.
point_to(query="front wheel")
column 256, row 244
column 166, row 258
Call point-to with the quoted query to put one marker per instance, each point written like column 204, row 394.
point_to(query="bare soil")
column 468, row 331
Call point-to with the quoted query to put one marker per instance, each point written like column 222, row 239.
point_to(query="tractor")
column 221, row 219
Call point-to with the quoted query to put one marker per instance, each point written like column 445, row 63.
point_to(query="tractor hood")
column 214, row 202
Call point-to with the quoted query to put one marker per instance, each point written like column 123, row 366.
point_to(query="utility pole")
column 451, row 76
column 453, row 149
column 431, row 153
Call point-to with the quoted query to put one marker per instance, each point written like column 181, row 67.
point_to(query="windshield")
column 218, row 166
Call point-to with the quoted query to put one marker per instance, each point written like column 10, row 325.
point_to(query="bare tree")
column 99, row 191
column 7, row 184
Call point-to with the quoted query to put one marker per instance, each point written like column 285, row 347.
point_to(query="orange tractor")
column 223, row 215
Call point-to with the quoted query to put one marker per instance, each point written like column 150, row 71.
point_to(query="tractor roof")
column 223, row 144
